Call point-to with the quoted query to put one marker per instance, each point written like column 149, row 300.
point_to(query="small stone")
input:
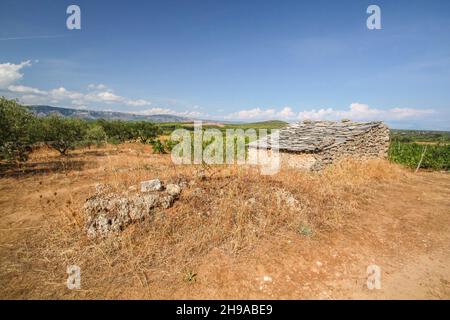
column 173, row 190
column 267, row 278
column 166, row 202
column 151, row 185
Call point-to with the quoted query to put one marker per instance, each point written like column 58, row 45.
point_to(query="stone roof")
column 316, row 136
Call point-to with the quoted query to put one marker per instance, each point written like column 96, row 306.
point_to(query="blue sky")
column 233, row 60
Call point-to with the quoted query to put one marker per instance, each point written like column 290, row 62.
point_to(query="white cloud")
column 356, row 111
column 25, row 90
column 10, row 73
column 263, row 114
column 33, row 99
column 360, row 111
column 157, row 110
column 107, row 96
column 99, row 86
column 250, row 114
column 137, row 103
column 62, row 93
column 110, row 97
column 98, row 93
column 154, row 111
column 286, row 113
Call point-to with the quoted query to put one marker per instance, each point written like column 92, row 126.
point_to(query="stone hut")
column 315, row 144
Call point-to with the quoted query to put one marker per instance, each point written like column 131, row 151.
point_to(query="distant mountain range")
column 43, row 111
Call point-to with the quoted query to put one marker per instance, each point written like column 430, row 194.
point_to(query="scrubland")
column 232, row 234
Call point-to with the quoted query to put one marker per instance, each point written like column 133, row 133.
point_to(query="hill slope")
column 42, row 111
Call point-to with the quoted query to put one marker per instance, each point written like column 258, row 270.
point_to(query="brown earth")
column 226, row 233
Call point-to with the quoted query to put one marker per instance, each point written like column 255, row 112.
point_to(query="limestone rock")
column 107, row 212
column 173, row 190
column 151, row 185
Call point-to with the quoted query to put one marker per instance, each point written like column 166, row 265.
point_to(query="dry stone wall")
column 314, row 144
column 373, row 143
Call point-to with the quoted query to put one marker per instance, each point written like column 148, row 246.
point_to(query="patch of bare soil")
column 233, row 235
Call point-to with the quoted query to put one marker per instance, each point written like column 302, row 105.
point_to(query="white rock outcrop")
column 151, row 185
column 108, row 212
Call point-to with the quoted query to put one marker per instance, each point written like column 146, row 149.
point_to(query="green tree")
column 145, row 131
column 63, row 134
column 15, row 124
column 95, row 135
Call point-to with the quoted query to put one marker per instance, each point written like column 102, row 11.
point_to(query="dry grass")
column 232, row 211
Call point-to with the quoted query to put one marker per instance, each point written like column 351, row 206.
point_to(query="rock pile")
column 109, row 212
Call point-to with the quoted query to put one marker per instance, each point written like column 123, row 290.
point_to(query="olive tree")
column 63, row 134
column 95, row 135
column 16, row 124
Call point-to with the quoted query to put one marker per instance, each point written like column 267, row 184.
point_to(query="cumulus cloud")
column 286, row 113
column 360, row 111
column 10, row 73
column 110, row 97
column 262, row 114
column 356, row 111
column 25, row 90
column 255, row 113
column 158, row 110
column 99, row 86
column 62, row 93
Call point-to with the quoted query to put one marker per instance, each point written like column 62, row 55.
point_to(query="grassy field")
column 232, row 228
column 313, row 235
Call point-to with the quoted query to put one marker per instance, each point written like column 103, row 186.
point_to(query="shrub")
column 158, row 147
column 169, row 144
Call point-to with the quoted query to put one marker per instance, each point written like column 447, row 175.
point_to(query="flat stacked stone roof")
column 316, row 136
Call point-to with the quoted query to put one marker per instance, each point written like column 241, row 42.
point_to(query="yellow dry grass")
column 232, row 212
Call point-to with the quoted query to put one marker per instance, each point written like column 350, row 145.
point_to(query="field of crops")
column 435, row 157
column 429, row 148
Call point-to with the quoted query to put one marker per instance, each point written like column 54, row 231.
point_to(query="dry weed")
column 231, row 211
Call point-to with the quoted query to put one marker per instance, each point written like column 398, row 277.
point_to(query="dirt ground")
column 216, row 246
